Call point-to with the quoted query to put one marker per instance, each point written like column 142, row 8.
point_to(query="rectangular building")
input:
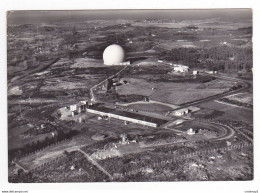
column 127, row 116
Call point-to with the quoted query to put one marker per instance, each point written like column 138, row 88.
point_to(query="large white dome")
column 113, row 55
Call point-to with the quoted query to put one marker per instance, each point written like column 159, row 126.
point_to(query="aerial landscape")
column 130, row 96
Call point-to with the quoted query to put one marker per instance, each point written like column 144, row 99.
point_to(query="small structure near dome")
column 78, row 108
column 190, row 131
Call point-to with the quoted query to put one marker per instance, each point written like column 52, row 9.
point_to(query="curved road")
column 214, row 97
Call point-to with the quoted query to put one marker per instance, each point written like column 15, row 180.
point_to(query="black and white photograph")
column 130, row 95
column 126, row 97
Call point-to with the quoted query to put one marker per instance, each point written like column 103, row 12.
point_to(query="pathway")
column 96, row 164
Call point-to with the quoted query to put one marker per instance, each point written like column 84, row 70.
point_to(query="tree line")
column 223, row 58
column 34, row 146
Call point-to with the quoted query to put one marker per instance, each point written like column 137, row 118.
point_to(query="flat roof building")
column 181, row 112
column 127, row 116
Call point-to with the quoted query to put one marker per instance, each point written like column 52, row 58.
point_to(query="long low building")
column 127, row 116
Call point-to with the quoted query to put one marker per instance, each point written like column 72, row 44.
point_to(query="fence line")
column 189, row 155
column 63, row 158
column 57, row 159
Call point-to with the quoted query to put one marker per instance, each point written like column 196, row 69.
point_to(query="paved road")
column 91, row 89
column 229, row 132
column 214, row 97
column 247, row 137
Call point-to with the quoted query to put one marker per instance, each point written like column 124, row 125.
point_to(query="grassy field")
column 242, row 97
column 173, row 93
column 240, row 114
column 86, row 62
column 175, row 44
column 14, row 135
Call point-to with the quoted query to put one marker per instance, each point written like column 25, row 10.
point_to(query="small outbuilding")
column 190, row 131
column 180, row 68
column 181, row 112
column 195, row 72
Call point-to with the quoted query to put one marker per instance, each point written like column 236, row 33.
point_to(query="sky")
column 32, row 17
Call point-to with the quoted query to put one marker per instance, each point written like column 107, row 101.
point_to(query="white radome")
column 113, row 55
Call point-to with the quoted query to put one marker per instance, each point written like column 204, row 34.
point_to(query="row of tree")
column 222, row 58
column 34, row 146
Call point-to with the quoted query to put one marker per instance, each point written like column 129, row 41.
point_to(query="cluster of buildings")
column 114, row 55
column 127, row 117
column 177, row 67
column 78, row 108
column 181, row 112
column 106, row 113
column 180, row 68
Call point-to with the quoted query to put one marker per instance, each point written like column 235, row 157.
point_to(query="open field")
column 148, row 103
column 173, row 93
column 243, row 100
column 14, row 135
column 242, row 97
column 86, row 62
column 230, row 112
column 170, row 45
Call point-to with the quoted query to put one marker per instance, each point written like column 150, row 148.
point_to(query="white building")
column 180, row 68
column 80, row 107
column 181, row 112
column 125, row 63
column 223, row 43
column 190, row 131
column 73, row 107
column 195, row 72
column 212, row 72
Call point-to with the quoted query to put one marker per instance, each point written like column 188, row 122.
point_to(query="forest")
column 223, row 58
